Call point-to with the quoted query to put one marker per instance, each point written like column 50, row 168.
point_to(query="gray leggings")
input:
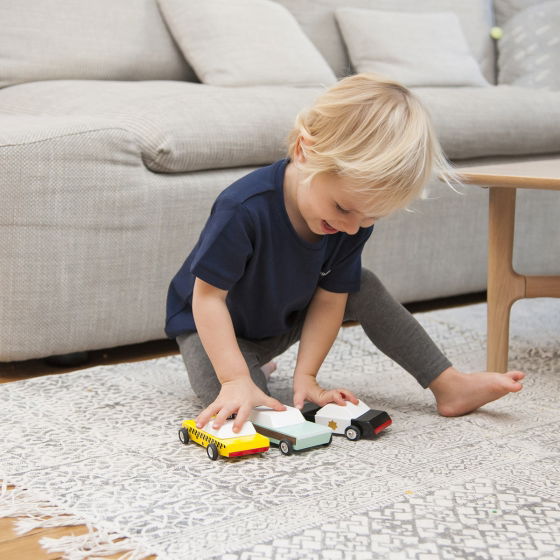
column 385, row 321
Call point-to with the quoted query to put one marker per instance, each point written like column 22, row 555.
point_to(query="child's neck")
column 291, row 185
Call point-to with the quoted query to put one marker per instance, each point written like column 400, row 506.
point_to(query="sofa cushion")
column 506, row 9
column 186, row 127
column 415, row 49
column 494, row 121
column 317, row 19
column 179, row 126
column 244, row 43
column 103, row 39
column 529, row 51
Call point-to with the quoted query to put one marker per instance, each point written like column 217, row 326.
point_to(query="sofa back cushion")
column 427, row 49
column 529, row 50
column 317, row 18
column 506, row 9
column 245, row 43
column 98, row 40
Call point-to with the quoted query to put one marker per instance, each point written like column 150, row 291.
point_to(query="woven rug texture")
column 99, row 446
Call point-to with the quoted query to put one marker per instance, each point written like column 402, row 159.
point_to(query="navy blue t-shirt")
column 250, row 248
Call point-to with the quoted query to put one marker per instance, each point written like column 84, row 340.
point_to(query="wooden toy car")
column 353, row 420
column 288, row 429
column 224, row 441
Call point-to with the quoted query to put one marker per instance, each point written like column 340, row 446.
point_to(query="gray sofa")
column 111, row 153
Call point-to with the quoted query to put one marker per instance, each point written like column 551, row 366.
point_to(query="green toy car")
column 288, row 429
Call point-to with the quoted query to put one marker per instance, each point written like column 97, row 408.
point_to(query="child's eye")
column 338, row 207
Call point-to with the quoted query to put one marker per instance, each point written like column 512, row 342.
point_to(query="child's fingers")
column 349, row 396
column 241, row 418
column 275, row 404
column 222, row 416
column 204, row 417
column 299, row 398
column 338, row 397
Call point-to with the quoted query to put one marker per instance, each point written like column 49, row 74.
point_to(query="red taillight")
column 249, row 451
column 382, row 427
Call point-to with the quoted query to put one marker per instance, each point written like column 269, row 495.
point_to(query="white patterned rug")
column 101, row 444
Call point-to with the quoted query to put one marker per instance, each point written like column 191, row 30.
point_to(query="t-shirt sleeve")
column 224, row 248
column 346, row 268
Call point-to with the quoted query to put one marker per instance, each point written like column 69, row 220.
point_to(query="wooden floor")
column 27, row 547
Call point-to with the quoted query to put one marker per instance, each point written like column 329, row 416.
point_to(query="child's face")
column 328, row 206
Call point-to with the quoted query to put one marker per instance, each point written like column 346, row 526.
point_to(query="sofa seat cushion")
column 494, row 121
column 179, row 126
column 183, row 126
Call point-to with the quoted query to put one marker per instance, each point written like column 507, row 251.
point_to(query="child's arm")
column 322, row 323
column 239, row 394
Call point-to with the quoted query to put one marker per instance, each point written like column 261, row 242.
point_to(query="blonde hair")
column 374, row 132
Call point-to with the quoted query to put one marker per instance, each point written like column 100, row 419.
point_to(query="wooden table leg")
column 504, row 285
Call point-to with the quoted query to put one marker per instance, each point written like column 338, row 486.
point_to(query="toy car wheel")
column 286, row 447
column 184, row 436
column 212, row 452
column 353, row 433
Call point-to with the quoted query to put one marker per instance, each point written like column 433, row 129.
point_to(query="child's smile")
column 325, row 206
column 328, row 228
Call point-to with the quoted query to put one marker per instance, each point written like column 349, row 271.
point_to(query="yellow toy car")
column 224, row 441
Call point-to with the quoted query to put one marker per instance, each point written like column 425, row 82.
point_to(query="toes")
column 516, row 386
column 515, row 375
column 514, row 381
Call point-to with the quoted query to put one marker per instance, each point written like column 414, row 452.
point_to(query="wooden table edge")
column 509, row 181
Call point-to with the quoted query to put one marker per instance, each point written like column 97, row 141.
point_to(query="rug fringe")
column 94, row 543
column 34, row 512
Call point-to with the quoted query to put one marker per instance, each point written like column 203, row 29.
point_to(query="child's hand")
column 238, row 396
column 306, row 388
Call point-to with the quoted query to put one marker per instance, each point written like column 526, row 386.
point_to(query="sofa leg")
column 68, row 360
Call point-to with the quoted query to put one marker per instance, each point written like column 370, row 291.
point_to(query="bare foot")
column 459, row 393
column 268, row 369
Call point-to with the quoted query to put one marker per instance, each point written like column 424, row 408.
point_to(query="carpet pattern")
column 101, row 444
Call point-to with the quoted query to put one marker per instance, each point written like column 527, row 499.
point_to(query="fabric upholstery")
column 317, row 19
column 245, row 42
column 103, row 39
column 529, row 51
column 427, row 49
column 506, row 9
column 178, row 126
column 494, row 121
column 188, row 127
column 91, row 238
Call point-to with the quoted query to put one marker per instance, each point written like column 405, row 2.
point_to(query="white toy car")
column 353, row 420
